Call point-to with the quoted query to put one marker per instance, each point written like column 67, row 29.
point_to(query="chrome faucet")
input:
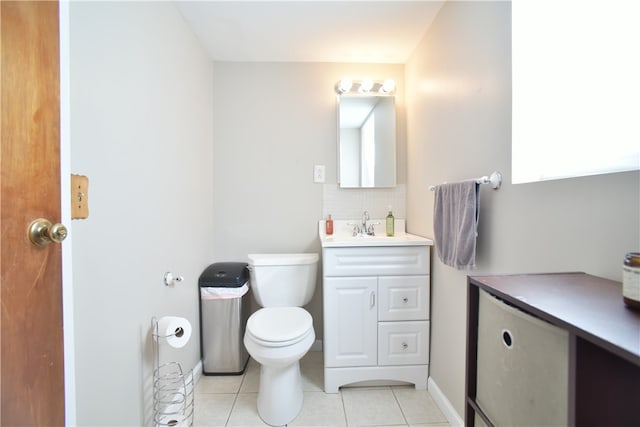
column 367, row 228
column 365, row 218
column 364, row 228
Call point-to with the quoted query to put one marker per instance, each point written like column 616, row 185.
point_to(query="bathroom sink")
column 343, row 236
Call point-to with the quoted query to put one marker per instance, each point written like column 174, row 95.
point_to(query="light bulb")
column 366, row 86
column 344, row 85
column 388, row 86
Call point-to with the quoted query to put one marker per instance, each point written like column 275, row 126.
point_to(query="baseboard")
column 316, row 346
column 443, row 403
column 197, row 372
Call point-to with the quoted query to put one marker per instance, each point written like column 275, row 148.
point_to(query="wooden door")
column 32, row 390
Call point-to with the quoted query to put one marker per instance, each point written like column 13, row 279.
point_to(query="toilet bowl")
column 277, row 338
column 278, row 335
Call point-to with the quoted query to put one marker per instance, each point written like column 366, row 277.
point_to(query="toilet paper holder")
column 173, row 389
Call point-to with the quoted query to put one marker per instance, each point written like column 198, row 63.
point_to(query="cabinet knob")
column 405, row 300
column 405, row 346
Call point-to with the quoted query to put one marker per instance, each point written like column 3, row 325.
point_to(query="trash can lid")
column 224, row 275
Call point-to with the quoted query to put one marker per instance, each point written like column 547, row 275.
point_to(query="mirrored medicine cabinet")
column 366, row 140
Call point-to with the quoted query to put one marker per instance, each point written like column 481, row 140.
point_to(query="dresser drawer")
column 523, row 366
column 403, row 343
column 403, row 298
column 376, row 261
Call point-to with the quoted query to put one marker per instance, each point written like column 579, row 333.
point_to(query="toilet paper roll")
column 174, row 331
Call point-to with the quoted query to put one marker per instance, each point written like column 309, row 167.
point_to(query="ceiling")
column 310, row 31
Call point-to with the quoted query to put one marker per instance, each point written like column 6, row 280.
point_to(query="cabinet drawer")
column 521, row 360
column 403, row 343
column 376, row 261
column 403, row 298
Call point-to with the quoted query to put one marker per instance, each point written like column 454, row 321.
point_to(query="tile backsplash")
column 350, row 203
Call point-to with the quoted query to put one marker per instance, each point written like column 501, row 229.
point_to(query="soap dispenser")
column 328, row 226
column 390, row 223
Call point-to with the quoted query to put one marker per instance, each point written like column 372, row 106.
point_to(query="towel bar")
column 495, row 179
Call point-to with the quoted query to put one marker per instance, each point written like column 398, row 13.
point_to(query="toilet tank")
column 283, row 280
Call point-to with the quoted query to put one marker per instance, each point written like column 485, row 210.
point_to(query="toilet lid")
column 278, row 324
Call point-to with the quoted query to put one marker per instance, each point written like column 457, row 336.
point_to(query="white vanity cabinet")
column 376, row 315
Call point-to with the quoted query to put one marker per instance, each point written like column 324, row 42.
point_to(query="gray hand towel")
column 455, row 223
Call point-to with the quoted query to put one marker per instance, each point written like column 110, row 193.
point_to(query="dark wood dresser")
column 560, row 345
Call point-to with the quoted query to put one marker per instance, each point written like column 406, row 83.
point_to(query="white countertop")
column 343, row 235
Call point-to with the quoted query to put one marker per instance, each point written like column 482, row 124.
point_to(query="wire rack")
column 173, row 389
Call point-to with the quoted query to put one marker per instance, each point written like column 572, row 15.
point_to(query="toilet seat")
column 279, row 326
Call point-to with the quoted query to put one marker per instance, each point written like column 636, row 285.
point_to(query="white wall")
column 272, row 123
column 458, row 127
column 141, row 130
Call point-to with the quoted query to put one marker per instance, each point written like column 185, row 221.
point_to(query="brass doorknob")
column 42, row 232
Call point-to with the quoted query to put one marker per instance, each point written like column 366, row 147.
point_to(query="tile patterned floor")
column 231, row 401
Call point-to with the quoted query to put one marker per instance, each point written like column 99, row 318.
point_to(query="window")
column 576, row 88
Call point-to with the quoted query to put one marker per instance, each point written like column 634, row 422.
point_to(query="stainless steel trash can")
column 224, row 310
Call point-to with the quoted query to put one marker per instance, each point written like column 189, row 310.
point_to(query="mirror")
column 366, row 141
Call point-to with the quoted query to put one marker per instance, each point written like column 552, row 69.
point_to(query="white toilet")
column 280, row 333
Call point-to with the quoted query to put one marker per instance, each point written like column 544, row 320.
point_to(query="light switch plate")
column 79, row 197
column 318, row 173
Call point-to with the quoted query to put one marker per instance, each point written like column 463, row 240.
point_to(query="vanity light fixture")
column 363, row 87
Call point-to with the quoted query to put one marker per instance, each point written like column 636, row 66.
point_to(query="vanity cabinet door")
column 350, row 321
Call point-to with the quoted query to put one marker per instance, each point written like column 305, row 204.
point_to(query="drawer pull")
column 507, row 338
column 405, row 346
column 405, row 300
